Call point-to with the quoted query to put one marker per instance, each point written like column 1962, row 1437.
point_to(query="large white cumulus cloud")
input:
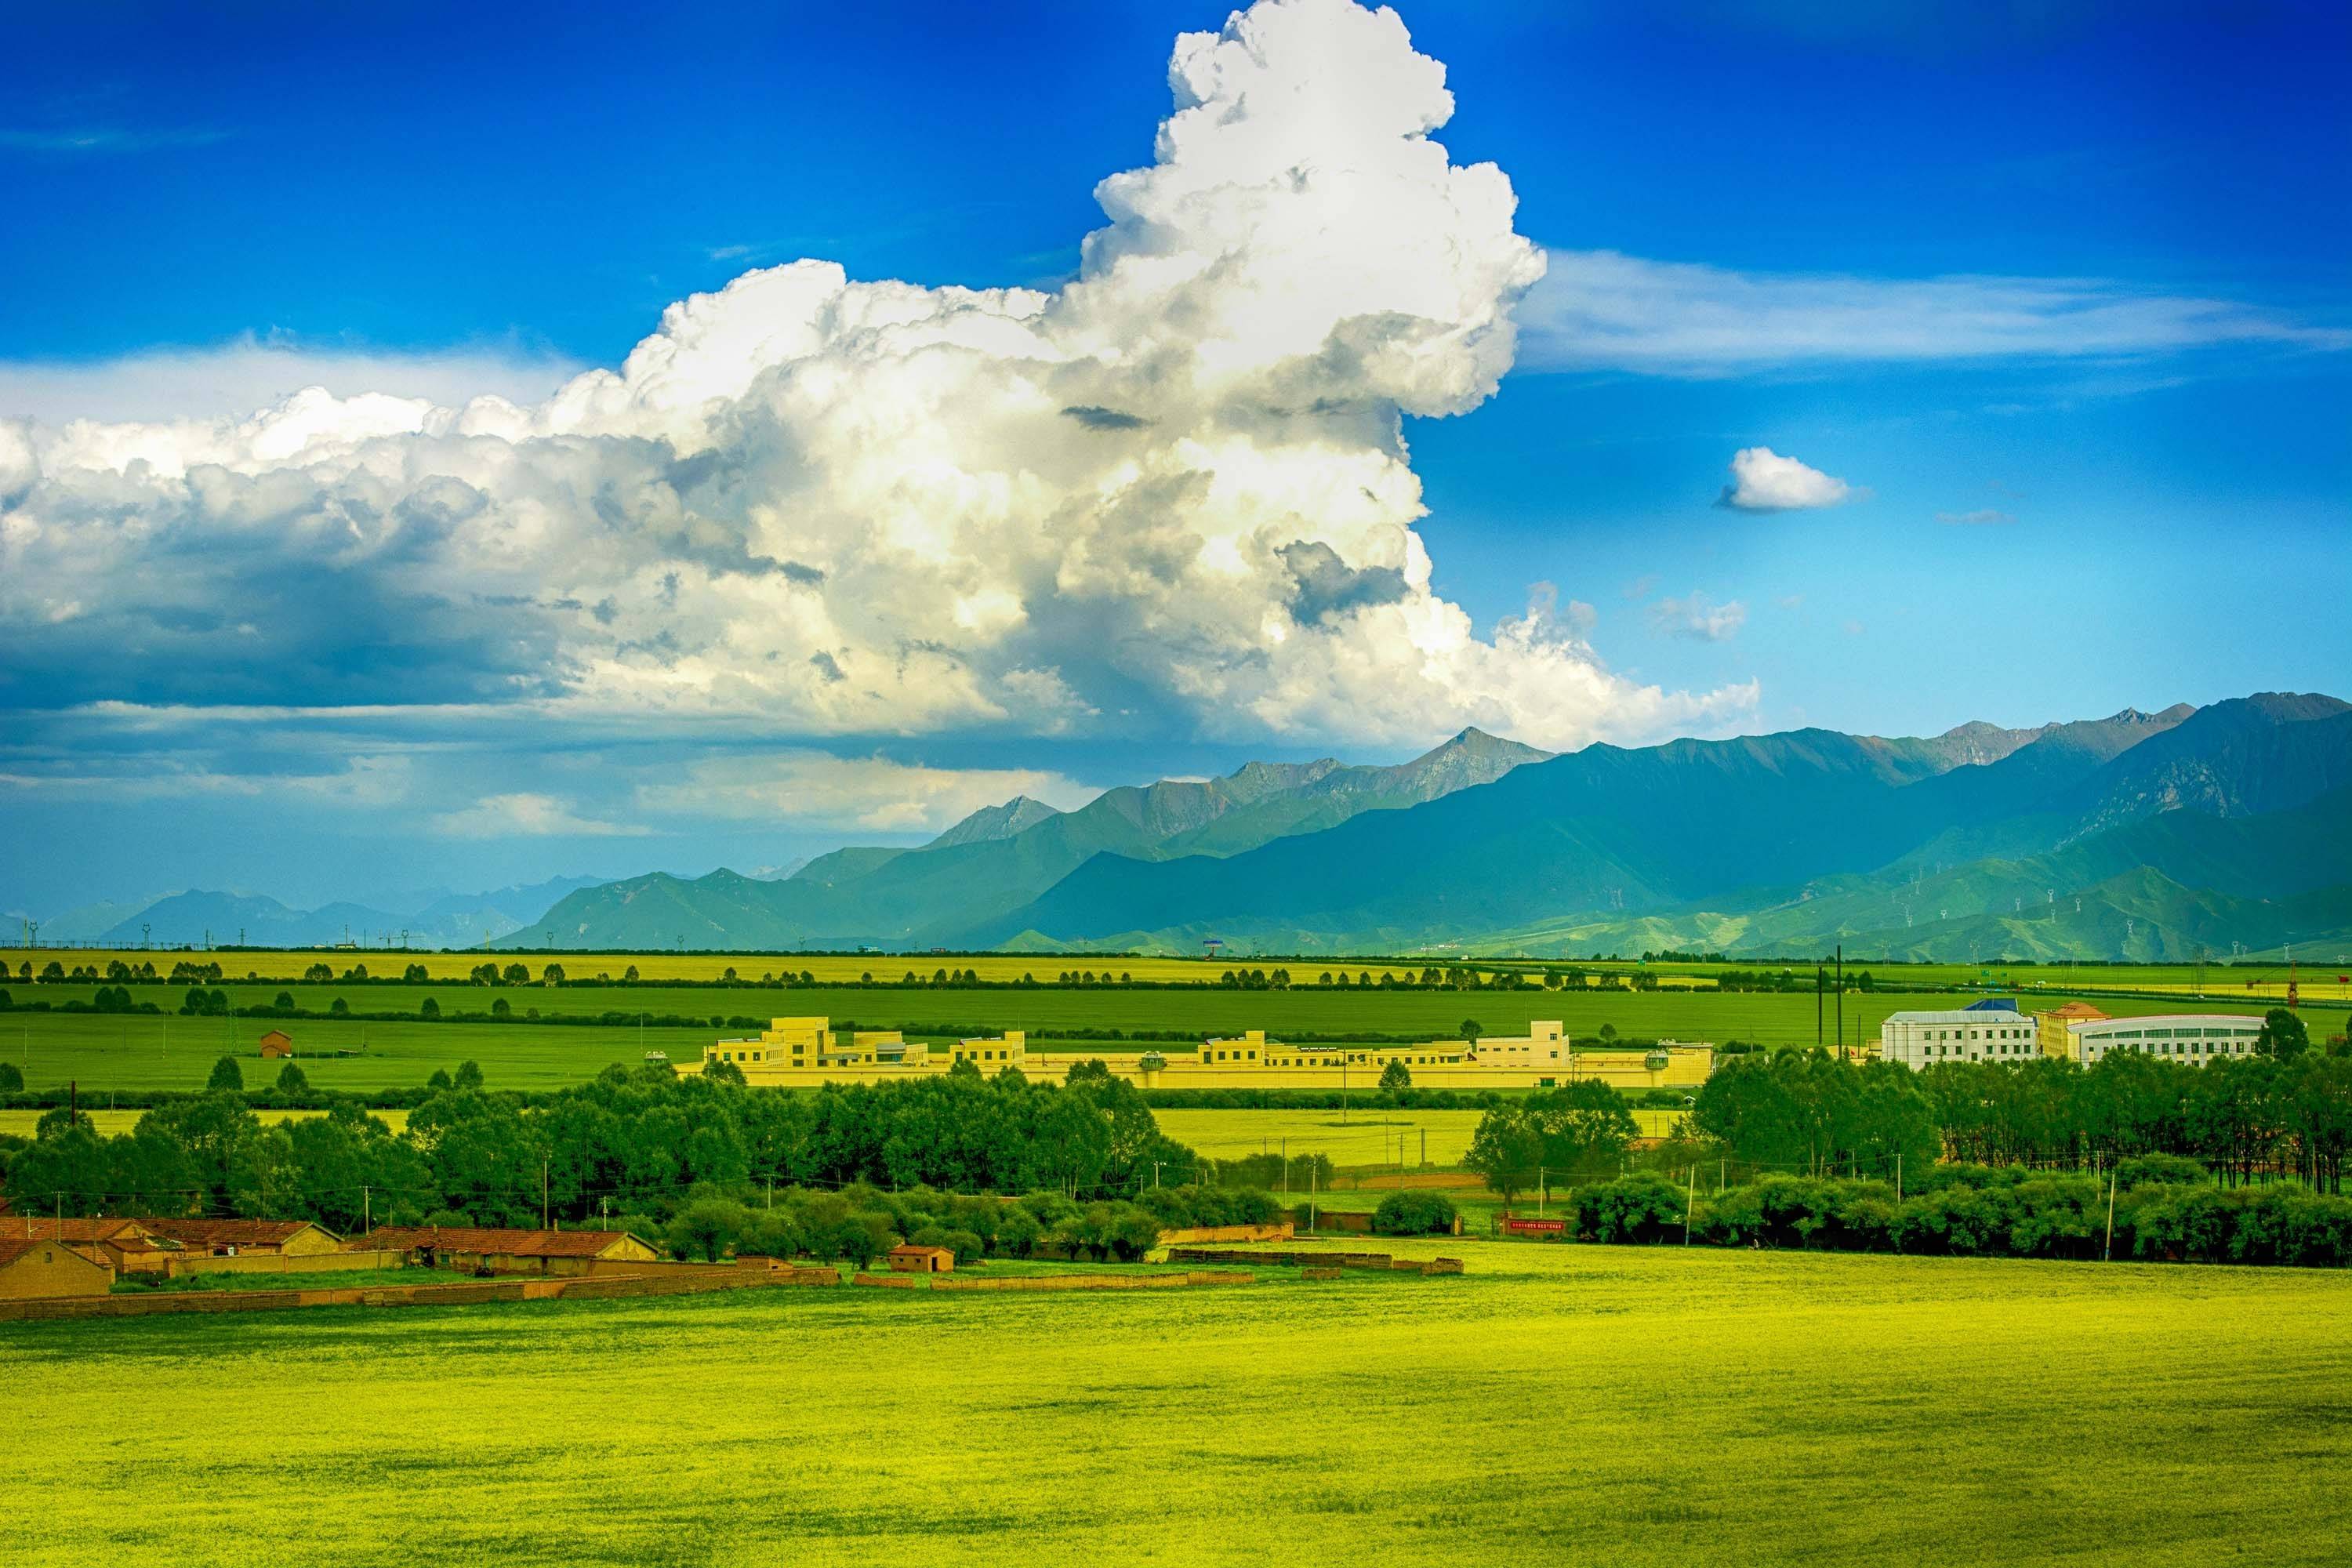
column 1174, row 490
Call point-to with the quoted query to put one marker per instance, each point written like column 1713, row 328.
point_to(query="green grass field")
column 137, row 1051
column 1559, row 1405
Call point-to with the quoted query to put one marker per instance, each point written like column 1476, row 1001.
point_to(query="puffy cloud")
column 229, row 381
column 1698, row 619
column 529, row 816
column 875, row 794
column 1763, row 480
column 1172, row 495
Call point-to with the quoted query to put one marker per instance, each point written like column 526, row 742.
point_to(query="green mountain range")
column 2141, row 834
column 1000, row 858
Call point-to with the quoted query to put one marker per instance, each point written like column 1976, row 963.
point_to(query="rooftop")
column 491, row 1239
column 231, row 1232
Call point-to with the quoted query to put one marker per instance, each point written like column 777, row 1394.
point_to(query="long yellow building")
column 803, row 1053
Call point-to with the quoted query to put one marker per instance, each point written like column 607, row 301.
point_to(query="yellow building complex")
column 803, row 1053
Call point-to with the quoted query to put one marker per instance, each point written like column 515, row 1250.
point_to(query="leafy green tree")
column 429, row 1008
column 2283, row 1036
column 706, row 1228
column 469, row 1076
column 292, row 1079
column 553, row 974
column 516, row 975
column 1507, row 1150
column 11, row 1078
column 1471, row 1029
column 226, row 1075
column 1396, row 1076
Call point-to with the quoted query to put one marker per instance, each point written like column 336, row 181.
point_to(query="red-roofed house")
column 246, row 1237
column 489, row 1249
column 123, row 1246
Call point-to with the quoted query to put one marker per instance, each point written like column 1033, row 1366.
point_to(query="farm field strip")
column 2265, row 980
column 108, row 1122
column 154, row 1051
column 1715, row 1405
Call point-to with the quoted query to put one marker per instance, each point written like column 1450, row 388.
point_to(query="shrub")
column 1415, row 1214
column 226, row 1075
column 1640, row 1207
column 2152, row 1170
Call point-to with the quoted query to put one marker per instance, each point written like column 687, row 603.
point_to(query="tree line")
column 2284, row 1110
column 2155, row 1208
column 628, row 1141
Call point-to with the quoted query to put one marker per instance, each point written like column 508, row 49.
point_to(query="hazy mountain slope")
column 198, row 915
column 1000, row 858
column 995, row 822
column 1604, row 827
column 1593, row 840
column 723, row 909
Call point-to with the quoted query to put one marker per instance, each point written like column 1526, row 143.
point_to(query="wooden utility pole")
column 1690, row 1193
column 2107, row 1253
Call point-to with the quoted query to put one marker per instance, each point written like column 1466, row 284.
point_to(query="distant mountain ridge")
column 999, row 858
column 442, row 920
column 1590, row 843
column 2142, row 834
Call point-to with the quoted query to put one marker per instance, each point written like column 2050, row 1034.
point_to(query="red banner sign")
column 1535, row 1227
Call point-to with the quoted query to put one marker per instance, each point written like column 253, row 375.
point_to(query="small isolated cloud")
column 527, row 816
column 1763, row 480
column 1853, row 629
column 1791, row 601
column 1641, row 587
column 1982, row 517
column 1697, row 618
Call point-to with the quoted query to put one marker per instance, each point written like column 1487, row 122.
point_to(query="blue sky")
column 2061, row 297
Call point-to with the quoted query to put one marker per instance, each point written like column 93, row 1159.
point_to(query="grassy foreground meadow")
column 1558, row 1404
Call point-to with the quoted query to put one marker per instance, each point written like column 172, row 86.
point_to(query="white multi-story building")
column 2195, row 1038
column 1962, row 1035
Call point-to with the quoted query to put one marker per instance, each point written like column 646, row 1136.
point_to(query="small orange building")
column 912, row 1260
column 35, row 1271
column 277, row 1043
column 246, row 1237
column 123, row 1246
column 489, row 1249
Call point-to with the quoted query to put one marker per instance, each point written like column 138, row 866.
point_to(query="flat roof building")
column 1920, row 1040
column 2192, row 1038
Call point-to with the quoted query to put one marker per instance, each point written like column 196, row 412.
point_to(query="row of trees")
column 860, row 1223
column 2286, row 1110
column 2157, row 1209
column 625, row 1142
